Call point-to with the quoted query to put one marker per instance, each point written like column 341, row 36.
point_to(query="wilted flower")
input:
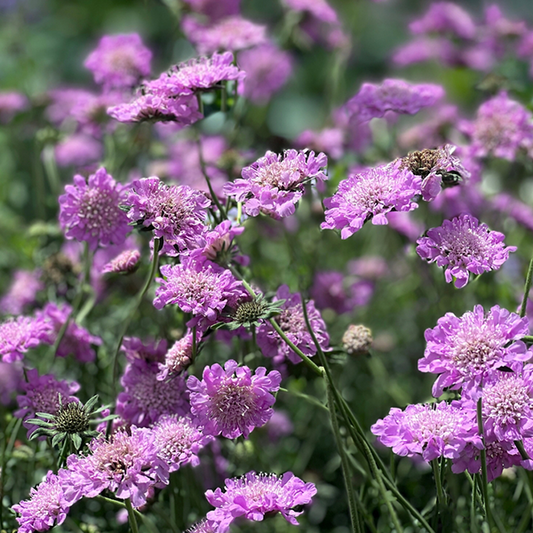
column 357, row 339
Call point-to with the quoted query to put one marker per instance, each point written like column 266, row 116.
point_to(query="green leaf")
column 77, row 441
column 58, row 438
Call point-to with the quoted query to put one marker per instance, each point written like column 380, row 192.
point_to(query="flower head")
column 357, row 339
column 18, row 335
column 178, row 357
column 124, row 263
column 252, row 496
column 231, row 401
column 91, row 211
column 46, row 508
column 119, row 61
column 463, row 245
column 149, row 350
column 370, row 195
column 275, row 183
column 78, row 150
column 11, row 103
column 215, row 9
column 466, row 350
column 21, row 292
column 445, row 18
column 204, row 526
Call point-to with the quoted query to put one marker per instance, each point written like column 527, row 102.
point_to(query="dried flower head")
column 357, row 339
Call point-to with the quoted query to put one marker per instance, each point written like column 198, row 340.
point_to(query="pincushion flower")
column 463, row 245
column 149, row 350
column 253, row 496
column 78, row 150
column 230, row 401
column 18, row 335
column 275, row 183
column 90, row 211
column 204, row 526
column 292, row 322
column 46, row 508
column 178, row 357
column 175, row 212
column 124, row 263
column 126, row 464
column 441, row 430
column 465, row 350
column 119, row 61
column 370, row 195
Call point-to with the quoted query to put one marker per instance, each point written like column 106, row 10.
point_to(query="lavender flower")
column 179, row 440
column 78, row 150
column 90, row 211
column 275, row 183
column 178, row 357
column 124, row 263
column 231, row 401
column 10, row 104
column 370, row 195
column 441, row 430
column 18, row 335
column 145, row 398
column 21, row 292
column 46, row 508
column 292, row 322
column 119, row 61
column 466, row 350
column 176, row 213
column 199, row 287
column 252, row 496
column 463, row 245
column 127, row 464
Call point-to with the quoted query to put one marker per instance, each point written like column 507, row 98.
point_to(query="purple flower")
column 22, row 291
column 466, row 350
column 127, row 464
column 204, row 526
column 231, row 401
column 199, row 287
column 47, row 506
column 76, row 340
column 267, row 69
column 370, row 195
column 91, row 211
column 179, row 439
column 18, row 335
column 119, row 61
column 320, row 9
column 124, row 263
column 145, row 399
column 424, row 48
column 292, row 322
column 10, row 104
column 176, row 212
column 151, row 351
column 253, row 496
column 519, row 211
column 279, row 426
column 445, row 18
column 178, row 357
column 501, row 128
column 463, row 245
column 215, row 9
column 11, row 380
column 230, row 33
column 43, row 394
column 275, row 183
column 328, row 140
column 78, row 150
column 373, row 101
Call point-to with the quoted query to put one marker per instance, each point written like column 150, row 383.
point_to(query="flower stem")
column 484, row 479
column 438, row 484
column 529, row 279
column 131, row 516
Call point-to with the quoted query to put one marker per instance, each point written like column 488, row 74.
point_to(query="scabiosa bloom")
column 119, row 61
column 149, row 350
column 145, row 398
column 18, row 335
column 292, row 322
column 501, row 128
column 199, row 287
column 176, row 212
column 127, row 464
column 252, row 496
column 267, row 70
column 275, row 183
column 78, row 150
column 441, row 430
column 10, row 104
column 178, row 357
column 370, row 195
column 465, row 350
column 463, row 245
column 231, row 401
column 43, row 394
column 91, row 211
column 204, row 526
column 46, row 508
column 179, row 439
column 125, row 263
column 373, row 101
column 76, row 340
column 21, row 293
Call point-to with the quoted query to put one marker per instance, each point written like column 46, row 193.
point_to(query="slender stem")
column 473, row 522
column 484, row 478
column 529, row 279
column 200, row 103
column 527, row 338
column 131, row 516
column 50, row 167
column 223, row 98
column 7, row 447
column 520, row 447
column 194, row 347
column 438, row 484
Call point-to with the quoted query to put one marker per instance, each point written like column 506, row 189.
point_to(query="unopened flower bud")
column 357, row 339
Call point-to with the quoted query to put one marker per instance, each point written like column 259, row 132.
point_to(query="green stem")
column 438, row 484
column 50, row 168
column 223, row 98
column 131, row 516
column 484, row 478
column 520, row 447
column 200, row 103
column 529, row 279
column 527, row 338
column 7, row 447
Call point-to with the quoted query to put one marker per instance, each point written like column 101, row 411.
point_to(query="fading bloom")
column 178, row 357
column 78, row 150
column 145, row 398
column 231, row 401
column 124, row 263
column 46, row 508
column 18, row 335
column 179, row 440
column 119, row 61
column 127, row 464
column 274, row 184
column 176, row 212
column 438, row 430
column 22, row 292
column 370, row 195
column 463, row 245
column 292, row 322
column 466, row 350
column 10, row 104
column 91, row 211
column 253, row 496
